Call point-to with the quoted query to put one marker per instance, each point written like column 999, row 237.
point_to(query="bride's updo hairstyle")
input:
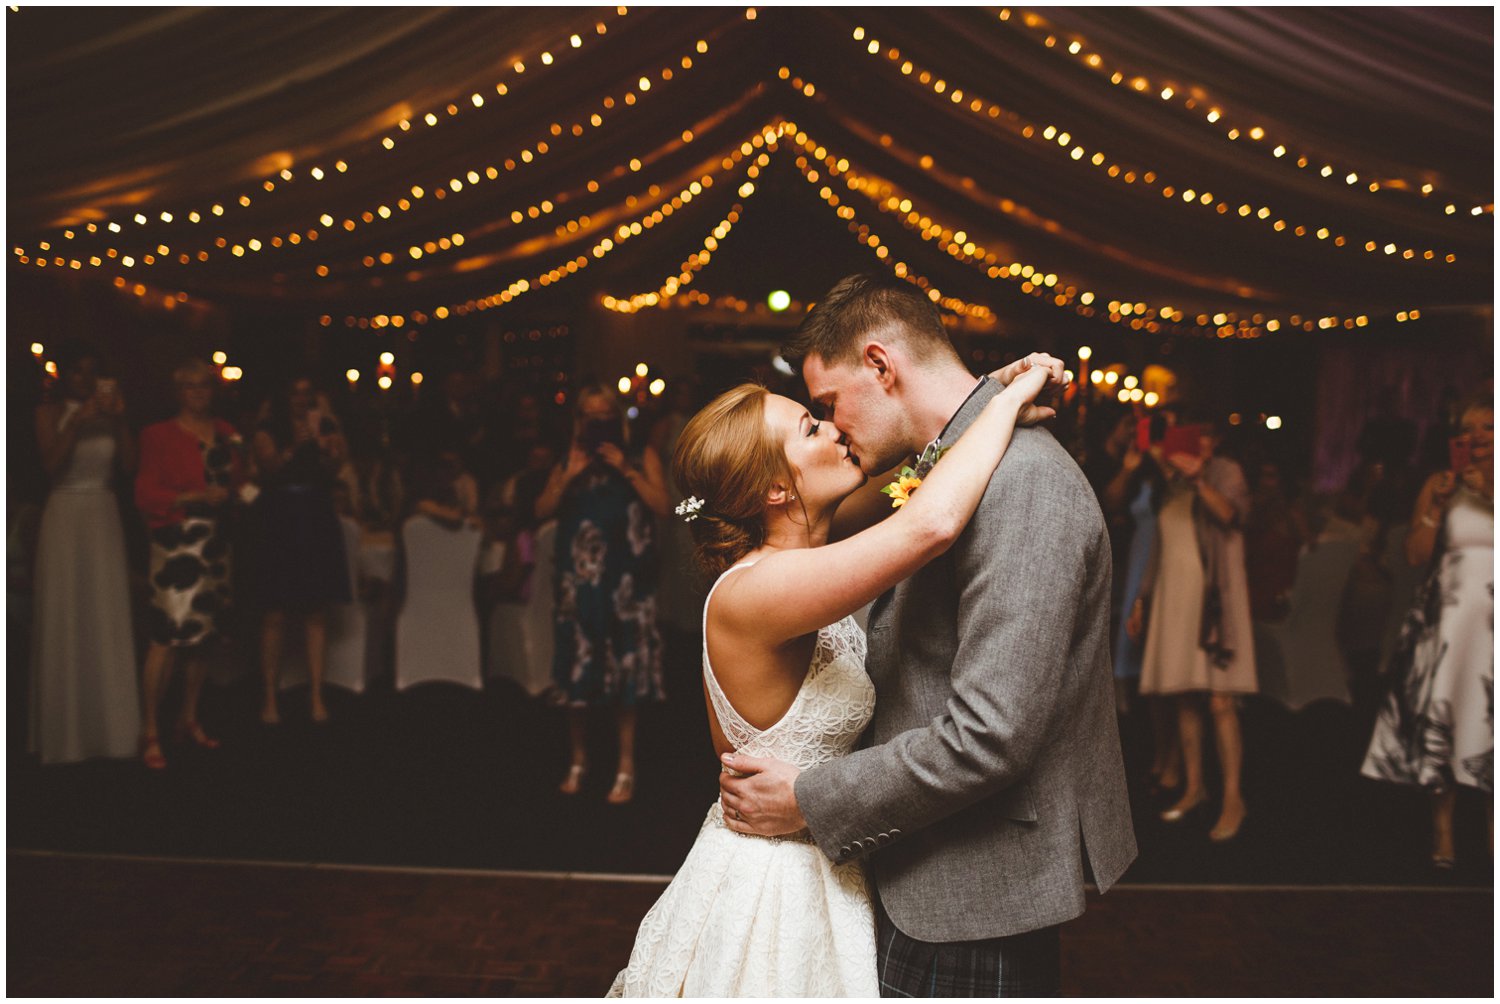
column 727, row 458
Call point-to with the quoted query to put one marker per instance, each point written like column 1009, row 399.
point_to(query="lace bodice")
column 830, row 711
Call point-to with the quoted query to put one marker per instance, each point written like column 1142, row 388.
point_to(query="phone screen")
column 1183, row 439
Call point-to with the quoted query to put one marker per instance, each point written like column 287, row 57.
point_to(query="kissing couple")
column 915, row 811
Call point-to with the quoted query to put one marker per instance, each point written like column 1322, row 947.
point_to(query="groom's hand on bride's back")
column 760, row 797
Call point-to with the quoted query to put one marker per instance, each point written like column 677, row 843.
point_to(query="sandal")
column 623, row 791
column 194, row 731
column 574, row 781
column 151, row 754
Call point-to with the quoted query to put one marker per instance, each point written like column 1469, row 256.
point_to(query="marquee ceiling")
column 1211, row 171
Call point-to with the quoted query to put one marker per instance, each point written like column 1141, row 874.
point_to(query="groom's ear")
column 879, row 358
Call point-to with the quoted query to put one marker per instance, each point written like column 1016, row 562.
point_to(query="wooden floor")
column 90, row 926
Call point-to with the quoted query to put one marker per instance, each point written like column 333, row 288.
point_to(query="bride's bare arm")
column 794, row 592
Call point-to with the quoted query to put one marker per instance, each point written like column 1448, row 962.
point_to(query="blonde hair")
column 728, row 458
column 609, row 397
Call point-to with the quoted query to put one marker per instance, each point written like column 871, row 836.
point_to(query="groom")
column 991, row 782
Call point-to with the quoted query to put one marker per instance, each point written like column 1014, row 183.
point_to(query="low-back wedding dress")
column 750, row 916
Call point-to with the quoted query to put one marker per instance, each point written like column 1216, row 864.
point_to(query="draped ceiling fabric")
column 1181, row 162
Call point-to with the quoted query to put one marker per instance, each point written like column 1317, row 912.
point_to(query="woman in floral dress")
column 608, row 650
column 1437, row 728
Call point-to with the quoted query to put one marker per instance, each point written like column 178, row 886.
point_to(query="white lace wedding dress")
column 750, row 916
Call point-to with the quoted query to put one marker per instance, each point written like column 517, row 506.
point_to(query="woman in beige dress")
column 1194, row 610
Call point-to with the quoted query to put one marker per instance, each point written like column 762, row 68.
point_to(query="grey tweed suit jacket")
column 992, row 767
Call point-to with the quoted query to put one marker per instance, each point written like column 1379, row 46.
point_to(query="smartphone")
column 1460, row 453
column 1183, row 439
column 598, row 431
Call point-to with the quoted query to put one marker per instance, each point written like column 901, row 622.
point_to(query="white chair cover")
column 437, row 631
column 344, row 664
column 1298, row 659
column 521, row 638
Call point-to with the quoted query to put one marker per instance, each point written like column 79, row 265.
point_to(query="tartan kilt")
column 1022, row 965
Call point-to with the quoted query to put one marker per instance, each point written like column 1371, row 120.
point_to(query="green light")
column 779, row 300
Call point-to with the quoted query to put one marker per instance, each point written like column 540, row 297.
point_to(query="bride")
column 783, row 671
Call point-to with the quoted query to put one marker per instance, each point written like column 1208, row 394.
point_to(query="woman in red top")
column 189, row 467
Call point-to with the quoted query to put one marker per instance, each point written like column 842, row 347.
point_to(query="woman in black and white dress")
column 1437, row 728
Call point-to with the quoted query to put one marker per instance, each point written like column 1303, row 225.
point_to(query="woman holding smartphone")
column 83, row 695
column 608, row 652
column 1437, row 727
column 300, row 565
column 1193, row 611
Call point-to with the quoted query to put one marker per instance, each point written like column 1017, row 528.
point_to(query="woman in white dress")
column 83, row 697
column 1437, row 727
column 783, row 669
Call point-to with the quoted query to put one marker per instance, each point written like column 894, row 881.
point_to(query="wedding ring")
column 738, row 816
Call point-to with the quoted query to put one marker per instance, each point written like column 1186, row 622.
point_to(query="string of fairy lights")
column 1045, row 285
column 819, row 167
column 1195, row 99
column 606, row 245
column 769, row 138
column 286, row 168
column 471, row 178
column 1018, row 211
column 569, row 229
column 1070, row 147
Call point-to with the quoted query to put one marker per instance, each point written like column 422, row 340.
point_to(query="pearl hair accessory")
column 688, row 508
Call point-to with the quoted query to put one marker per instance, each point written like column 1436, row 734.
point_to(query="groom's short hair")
column 861, row 307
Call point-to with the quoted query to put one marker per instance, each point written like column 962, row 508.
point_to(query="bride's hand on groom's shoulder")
column 1030, row 377
column 1057, row 373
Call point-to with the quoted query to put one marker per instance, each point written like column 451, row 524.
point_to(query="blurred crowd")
column 1232, row 578
column 310, row 526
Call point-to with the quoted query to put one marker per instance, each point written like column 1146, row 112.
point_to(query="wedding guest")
column 1274, row 536
column 1437, row 727
column 608, row 650
column 191, row 466
column 301, row 567
column 83, row 693
column 1195, row 605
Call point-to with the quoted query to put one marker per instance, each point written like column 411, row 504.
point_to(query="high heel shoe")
column 1179, row 812
column 194, row 731
column 623, row 791
column 574, row 781
column 1442, row 861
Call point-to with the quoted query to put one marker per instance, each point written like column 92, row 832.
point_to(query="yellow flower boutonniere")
column 900, row 490
column 910, row 479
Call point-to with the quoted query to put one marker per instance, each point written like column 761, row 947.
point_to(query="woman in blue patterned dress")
column 608, row 650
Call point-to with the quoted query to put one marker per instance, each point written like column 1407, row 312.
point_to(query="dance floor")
column 84, row 925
